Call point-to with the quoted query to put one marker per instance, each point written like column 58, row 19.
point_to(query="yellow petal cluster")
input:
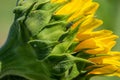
column 110, row 64
column 83, row 8
column 97, row 44
column 90, row 40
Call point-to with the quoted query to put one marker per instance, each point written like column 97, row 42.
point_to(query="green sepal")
column 59, row 64
column 42, row 47
column 37, row 20
column 52, row 32
column 72, row 73
column 67, row 42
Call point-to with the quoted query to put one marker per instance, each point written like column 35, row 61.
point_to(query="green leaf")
column 74, row 72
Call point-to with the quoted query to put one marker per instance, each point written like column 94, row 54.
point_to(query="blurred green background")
column 109, row 12
column 6, row 18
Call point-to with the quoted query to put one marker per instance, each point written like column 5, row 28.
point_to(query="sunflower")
column 58, row 40
column 90, row 41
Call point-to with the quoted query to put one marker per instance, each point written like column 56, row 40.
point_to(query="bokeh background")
column 109, row 12
column 6, row 18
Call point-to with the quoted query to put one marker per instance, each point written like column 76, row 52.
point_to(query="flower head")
column 58, row 40
column 91, row 41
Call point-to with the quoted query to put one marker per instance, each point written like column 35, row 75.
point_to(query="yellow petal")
column 72, row 6
column 105, row 70
column 87, row 44
column 116, row 73
column 58, row 1
column 97, row 60
column 114, row 53
column 90, row 24
column 87, row 35
column 103, row 49
column 100, row 50
column 91, row 9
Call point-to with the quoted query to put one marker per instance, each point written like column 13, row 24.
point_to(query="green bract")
column 40, row 44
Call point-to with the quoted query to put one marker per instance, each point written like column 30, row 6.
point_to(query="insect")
column 69, row 25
